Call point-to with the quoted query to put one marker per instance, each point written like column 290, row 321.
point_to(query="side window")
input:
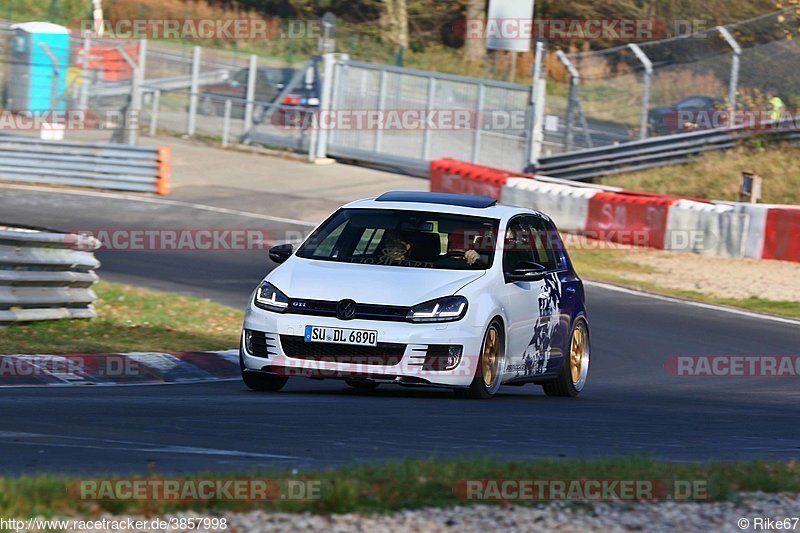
column 241, row 77
column 546, row 243
column 532, row 239
column 517, row 246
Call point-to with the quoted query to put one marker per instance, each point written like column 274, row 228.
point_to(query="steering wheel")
column 455, row 254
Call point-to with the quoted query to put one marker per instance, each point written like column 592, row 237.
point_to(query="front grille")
column 262, row 344
column 389, row 313
column 385, row 353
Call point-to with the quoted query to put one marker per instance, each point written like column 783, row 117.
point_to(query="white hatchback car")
column 416, row 288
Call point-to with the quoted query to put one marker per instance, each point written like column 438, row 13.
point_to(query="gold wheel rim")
column 576, row 353
column 490, row 357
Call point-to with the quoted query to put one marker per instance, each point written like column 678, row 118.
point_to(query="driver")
column 395, row 248
column 462, row 243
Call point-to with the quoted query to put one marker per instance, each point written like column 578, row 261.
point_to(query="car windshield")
column 415, row 239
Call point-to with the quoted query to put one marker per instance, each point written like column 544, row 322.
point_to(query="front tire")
column 260, row 382
column 488, row 375
column 574, row 371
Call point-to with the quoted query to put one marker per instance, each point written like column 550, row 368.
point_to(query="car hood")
column 375, row 284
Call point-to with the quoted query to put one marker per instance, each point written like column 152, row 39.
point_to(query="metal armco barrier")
column 651, row 153
column 725, row 229
column 105, row 166
column 46, row 276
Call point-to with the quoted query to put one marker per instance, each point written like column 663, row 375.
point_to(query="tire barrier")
column 46, row 276
column 104, row 166
column 726, row 229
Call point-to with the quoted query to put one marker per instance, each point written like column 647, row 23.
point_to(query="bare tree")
column 394, row 22
column 474, row 49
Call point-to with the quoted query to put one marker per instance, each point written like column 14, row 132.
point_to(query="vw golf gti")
column 417, row 288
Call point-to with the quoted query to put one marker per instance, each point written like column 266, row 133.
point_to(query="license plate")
column 360, row 337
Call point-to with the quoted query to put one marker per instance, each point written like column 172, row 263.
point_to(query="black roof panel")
column 461, row 200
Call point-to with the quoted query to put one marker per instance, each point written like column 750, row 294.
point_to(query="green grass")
column 130, row 319
column 718, row 175
column 610, row 266
column 409, row 484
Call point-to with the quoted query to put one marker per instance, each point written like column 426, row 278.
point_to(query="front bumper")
column 405, row 366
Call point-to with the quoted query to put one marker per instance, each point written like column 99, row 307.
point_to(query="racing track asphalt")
column 631, row 404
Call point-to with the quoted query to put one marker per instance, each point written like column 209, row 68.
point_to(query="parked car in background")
column 270, row 84
column 692, row 113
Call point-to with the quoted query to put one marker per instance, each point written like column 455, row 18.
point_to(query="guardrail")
column 655, row 152
column 46, row 276
column 106, row 166
column 123, row 88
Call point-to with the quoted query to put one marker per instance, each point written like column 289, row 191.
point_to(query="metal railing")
column 656, row 152
column 46, row 276
column 106, row 166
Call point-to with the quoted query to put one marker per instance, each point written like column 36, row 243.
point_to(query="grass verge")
column 610, row 266
column 717, row 175
column 410, row 484
column 131, row 319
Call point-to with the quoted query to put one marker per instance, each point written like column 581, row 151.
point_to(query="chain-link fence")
column 681, row 84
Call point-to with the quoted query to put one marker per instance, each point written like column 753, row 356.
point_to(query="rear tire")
column 572, row 378
column 489, row 373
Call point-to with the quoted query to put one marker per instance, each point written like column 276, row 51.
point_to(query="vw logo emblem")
column 346, row 310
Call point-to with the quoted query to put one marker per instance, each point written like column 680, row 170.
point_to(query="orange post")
column 164, row 170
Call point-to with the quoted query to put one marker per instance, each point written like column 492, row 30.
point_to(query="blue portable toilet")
column 33, row 73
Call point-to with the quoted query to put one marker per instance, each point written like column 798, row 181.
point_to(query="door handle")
column 571, row 291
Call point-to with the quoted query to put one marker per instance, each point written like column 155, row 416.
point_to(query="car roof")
column 461, row 204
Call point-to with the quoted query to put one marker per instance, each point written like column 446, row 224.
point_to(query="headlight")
column 447, row 309
column 270, row 298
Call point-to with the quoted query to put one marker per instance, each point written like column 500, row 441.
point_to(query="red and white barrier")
column 449, row 175
column 629, row 219
column 707, row 229
column 567, row 206
column 782, row 234
column 724, row 229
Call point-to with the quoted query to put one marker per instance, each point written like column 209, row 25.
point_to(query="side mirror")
column 526, row 271
column 281, row 252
